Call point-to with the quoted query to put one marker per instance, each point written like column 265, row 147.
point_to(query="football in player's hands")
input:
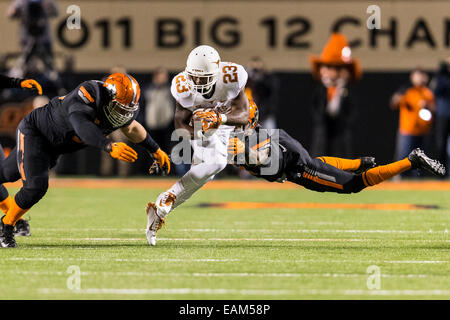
column 204, row 121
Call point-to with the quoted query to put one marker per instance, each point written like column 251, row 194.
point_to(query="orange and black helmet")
column 254, row 115
column 125, row 93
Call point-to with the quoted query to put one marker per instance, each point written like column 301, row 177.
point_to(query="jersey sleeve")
column 180, row 91
column 7, row 82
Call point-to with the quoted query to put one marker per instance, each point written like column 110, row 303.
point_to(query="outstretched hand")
column 31, row 84
column 162, row 162
column 122, row 151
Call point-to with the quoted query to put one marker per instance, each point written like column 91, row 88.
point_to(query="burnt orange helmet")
column 125, row 92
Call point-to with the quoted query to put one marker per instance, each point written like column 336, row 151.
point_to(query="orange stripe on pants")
column 322, row 181
column 21, row 154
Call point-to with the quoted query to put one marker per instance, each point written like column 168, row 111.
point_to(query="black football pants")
column 313, row 174
column 30, row 161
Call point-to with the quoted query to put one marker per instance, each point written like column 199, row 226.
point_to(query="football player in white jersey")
column 212, row 92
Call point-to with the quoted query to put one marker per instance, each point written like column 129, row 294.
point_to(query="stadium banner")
column 142, row 35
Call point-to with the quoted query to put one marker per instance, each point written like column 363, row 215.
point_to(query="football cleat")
column 22, row 228
column 366, row 164
column 7, row 236
column 420, row 160
column 154, row 223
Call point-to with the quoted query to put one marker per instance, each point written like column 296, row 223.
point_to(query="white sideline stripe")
column 225, row 275
column 229, row 260
column 182, row 291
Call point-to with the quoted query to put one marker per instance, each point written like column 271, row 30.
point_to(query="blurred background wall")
column 142, row 36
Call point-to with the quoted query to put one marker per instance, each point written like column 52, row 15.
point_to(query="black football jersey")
column 286, row 155
column 52, row 120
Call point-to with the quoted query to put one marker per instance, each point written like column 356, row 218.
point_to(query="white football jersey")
column 231, row 80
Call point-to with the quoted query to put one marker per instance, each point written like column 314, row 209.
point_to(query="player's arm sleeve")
column 7, row 82
column 88, row 132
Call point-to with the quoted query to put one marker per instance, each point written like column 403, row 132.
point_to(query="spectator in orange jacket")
column 416, row 107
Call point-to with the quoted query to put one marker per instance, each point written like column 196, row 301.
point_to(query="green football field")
column 90, row 244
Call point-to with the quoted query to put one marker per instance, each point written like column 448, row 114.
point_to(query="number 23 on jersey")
column 180, row 80
column 230, row 74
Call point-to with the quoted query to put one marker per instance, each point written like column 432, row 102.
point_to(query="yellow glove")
column 162, row 161
column 31, row 84
column 122, row 151
column 235, row 146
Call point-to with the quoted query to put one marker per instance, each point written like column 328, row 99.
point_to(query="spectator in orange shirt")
column 416, row 106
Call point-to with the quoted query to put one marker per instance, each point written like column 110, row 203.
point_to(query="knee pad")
column 31, row 192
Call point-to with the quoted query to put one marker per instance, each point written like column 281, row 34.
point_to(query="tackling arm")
column 137, row 134
column 90, row 134
column 254, row 156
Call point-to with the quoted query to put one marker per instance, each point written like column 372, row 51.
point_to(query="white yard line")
column 313, row 230
column 445, row 231
column 259, row 261
column 100, row 239
column 118, row 259
column 226, row 275
column 167, row 291
column 244, row 292
column 209, row 239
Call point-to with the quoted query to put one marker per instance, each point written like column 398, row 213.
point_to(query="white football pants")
column 209, row 158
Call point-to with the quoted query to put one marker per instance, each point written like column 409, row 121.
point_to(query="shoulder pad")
column 180, row 86
column 233, row 79
column 242, row 77
column 88, row 91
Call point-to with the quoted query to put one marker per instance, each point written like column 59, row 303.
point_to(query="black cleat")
column 366, row 164
column 7, row 236
column 420, row 160
column 22, row 228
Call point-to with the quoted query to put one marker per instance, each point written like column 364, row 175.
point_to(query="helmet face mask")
column 202, row 69
column 124, row 92
column 202, row 84
column 119, row 114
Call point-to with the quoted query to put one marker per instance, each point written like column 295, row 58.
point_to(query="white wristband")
column 223, row 119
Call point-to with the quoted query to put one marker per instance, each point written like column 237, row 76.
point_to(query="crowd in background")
column 423, row 105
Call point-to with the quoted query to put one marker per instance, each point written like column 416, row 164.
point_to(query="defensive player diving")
column 84, row 117
column 261, row 150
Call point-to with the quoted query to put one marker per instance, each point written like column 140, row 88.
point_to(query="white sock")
column 184, row 188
